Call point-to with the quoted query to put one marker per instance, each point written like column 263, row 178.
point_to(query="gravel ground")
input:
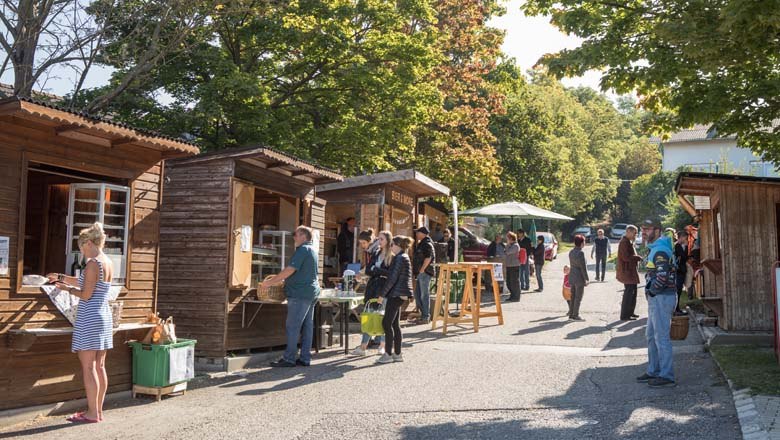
column 536, row 377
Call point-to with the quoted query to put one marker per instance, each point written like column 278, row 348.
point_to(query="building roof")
column 700, row 184
column 270, row 159
column 410, row 180
column 88, row 128
column 699, row 132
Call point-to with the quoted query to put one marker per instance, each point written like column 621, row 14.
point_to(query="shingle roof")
column 699, row 132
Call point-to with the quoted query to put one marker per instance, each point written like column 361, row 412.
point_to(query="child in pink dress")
column 566, row 290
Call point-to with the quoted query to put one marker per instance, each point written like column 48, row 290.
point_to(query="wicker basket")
column 274, row 293
column 116, row 312
column 679, row 328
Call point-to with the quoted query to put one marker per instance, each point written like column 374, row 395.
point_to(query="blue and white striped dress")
column 94, row 329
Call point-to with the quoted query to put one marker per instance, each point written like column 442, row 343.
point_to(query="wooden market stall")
column 384, row 201
column 739, row 240
column 227, row 223
column 60, row 172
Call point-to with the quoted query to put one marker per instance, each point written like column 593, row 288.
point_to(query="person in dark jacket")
column 602, row 250
column 345, row 244
column 377, row 268
column 681, row 260
column 397, row 289
column 496, row 248
column 447, row 238
column 539, row 251
column 525, row 268
column 578, row 277
column 424, row 256
column 627, row 260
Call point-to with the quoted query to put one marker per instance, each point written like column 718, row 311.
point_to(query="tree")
column 700, row 61
column 642, row 158
column 40, row 35
column 649, row 194
column 340, row 83
column 456, row 145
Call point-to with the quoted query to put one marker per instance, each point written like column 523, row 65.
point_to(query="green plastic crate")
column 151, row 362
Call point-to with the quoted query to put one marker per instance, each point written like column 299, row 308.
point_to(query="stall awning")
column 272, row 160
column 515, row 210
column 411, row 181
column 88, row 128
column 704, row 184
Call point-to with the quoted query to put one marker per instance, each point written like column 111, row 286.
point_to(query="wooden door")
column 243, row 201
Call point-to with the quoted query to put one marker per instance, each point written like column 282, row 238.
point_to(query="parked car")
column 585, row 231
column 474, row 248
column 550, row 245
column 639, row 240
column 618, row 231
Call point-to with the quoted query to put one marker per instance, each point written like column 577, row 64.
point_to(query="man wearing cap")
column 424, row 255
column 661, row 292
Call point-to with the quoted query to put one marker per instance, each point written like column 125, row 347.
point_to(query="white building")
column 701, row 149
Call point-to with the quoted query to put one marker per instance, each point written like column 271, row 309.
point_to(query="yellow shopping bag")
column 371, row 318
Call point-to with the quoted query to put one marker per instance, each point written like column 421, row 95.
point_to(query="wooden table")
column 345, row 303
column 471, row 305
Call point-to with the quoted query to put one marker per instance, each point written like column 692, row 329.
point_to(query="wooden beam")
column 301, row 173
column 273, row 165
column 687, row 205
column 67, row 127
column 79, row 136
column 122, row 141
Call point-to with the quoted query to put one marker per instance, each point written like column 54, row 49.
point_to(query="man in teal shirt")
column 302, row 288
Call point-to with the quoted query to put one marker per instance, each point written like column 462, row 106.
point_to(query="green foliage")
column 649, row 195
column 642, row 158
column 691, row 61
column 560, row 149
column 675, row 217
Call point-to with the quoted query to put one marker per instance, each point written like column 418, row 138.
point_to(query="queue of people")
column 391, row 273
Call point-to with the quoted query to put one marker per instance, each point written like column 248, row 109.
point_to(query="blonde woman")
column 377, row 268
column 92, row 333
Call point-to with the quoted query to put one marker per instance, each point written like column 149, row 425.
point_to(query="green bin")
column 152, row 362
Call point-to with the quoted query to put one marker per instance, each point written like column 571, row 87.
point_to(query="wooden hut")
column 227, row 223
column 739, row 240
column 384, row 201
column 61, row 171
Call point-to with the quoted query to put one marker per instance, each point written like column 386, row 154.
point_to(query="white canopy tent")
column 515, row 210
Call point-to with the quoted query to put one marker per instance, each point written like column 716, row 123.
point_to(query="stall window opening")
column 59, row 203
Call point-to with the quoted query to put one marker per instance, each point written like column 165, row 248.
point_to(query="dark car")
column 585, row 231
column 474, row 248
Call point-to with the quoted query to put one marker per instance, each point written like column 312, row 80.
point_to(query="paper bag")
column 168, row 332
column 154, row 334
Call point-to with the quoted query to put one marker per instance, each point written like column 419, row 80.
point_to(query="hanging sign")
column 399, row 199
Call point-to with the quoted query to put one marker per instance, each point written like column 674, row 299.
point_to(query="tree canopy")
column 700, row 61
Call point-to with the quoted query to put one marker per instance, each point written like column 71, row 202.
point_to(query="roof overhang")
column 271, row 160
column 89, row 129
column 411, row 181
column 704, row 184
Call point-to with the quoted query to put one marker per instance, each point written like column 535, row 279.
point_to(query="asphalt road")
column 536, row 377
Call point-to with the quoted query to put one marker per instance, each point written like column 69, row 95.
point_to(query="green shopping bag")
column 371, row 318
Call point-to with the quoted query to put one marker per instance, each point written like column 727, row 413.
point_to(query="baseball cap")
column 423, row 230
column 650, row 223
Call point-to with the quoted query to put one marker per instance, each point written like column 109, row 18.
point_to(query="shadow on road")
column 604, row 403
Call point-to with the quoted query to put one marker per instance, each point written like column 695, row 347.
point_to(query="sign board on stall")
column 399, row 199
column 4, row 246
column 498, row 271
column 182, row 364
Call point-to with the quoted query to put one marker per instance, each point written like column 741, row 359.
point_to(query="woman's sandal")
column 80, row 418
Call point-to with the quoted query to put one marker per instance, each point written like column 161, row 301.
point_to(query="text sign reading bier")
column 399, row 199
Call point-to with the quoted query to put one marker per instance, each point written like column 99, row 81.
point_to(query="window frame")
column 27, row 158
